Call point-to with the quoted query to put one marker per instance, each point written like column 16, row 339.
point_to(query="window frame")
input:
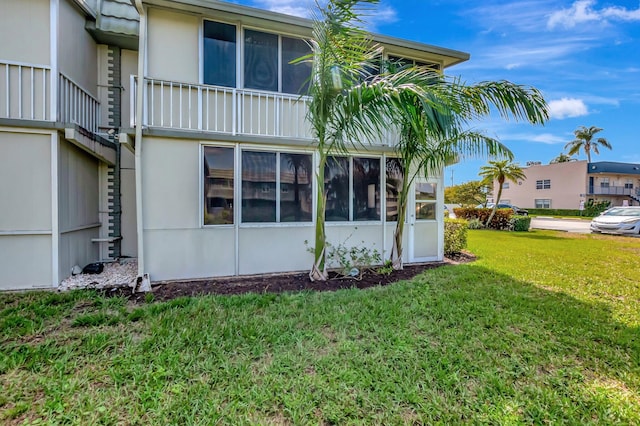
column 543, row 184
column 201, row 185
column 240, row 53
column 277, row 151
column 434, row 201
column 542, row 203
column 381, row 181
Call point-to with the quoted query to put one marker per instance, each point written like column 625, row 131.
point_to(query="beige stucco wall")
column 25, row 181
column 568, row 181
column 24, row 31
column 129, row 243
column 77, row 52
column 78, row 194
column 173, row 51
column 25, row 204
column 177, row 246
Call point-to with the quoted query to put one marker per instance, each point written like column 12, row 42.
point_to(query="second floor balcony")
column 200, row 107
column 28, row 92
column 232, row 111
column 613, row 190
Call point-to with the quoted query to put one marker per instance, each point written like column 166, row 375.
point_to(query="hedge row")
column 501, row 220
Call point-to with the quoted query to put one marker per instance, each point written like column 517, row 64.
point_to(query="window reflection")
column 258, row 186
column 426, row 201
column 295, row 187
column 336, row 185
column 366, row 188
column 260, row 60
column 394, row 182
column 218, row 185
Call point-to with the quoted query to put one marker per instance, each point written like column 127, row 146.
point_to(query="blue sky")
column 584, row 56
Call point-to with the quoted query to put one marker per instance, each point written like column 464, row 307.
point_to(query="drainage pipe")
column 143, row 282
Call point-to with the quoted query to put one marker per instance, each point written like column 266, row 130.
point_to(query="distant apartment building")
column 567, row 185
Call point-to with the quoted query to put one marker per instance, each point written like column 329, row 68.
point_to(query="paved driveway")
column 568, row 225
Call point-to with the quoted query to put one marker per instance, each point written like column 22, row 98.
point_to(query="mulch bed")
column 277, row 283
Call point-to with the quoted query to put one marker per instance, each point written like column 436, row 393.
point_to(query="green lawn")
column 543, row 328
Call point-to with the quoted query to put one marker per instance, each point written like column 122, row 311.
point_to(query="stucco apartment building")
column 175, row 132
column 566, row 185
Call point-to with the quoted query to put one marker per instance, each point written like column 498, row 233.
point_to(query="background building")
column 566, row 185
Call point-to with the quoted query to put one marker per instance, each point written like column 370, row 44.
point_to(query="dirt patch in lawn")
column 276, row 283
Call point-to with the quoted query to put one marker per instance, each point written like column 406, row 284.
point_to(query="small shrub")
column 475, row 224
column 386, row 269
column 455, row 235
column 594, row 208
column 520, row 223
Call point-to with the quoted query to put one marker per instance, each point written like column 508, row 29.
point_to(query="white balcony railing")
column 25, row 91
column 198, row 107
column 76, row 105
column 26, row 94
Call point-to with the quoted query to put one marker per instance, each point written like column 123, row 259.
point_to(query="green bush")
column 594, row 208
column 520, row 223
column 455, row 235
column 501, row 220
column 475, row 224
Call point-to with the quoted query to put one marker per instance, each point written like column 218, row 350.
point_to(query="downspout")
column 143, row 282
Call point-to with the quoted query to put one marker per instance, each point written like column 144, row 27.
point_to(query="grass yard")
column 543, row 328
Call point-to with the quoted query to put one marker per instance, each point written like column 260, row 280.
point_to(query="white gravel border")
column 121, row 273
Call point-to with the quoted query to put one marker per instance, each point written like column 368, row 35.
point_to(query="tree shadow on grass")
column 554, row 357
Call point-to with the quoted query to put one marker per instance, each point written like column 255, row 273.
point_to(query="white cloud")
column 567, row 107
column 583, row 11
column 302, row 8
column 544, row 138
column 372, row 16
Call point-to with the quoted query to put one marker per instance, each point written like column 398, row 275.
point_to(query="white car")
column 618, row 220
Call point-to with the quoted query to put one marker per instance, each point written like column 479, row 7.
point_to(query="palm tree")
column 348, row 103
column 501, row 171
column 562, row 158
column 431, row 137
column 584, row 140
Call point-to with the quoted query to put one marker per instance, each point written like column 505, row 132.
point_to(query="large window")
column 263, row 52
column 262, row 173
column 426, row 197
column 336, row 185
column 604, row 183
column 366, row 188
column 218, row 185
column 260, row 60
column 543, row 184
column 543, row 204
column 394, row 182
column 219, row 54
column 358, row 176
column 296, row 171
column 295, row 77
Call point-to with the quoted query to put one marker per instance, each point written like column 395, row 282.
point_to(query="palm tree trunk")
column 495, row 205
column 396, row 250
column 319, row 269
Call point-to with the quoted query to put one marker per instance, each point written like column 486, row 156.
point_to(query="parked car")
column 618, row 220
column 516, row 209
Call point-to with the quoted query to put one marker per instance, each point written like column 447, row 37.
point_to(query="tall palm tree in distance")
column 500, row 171
column 584, row 141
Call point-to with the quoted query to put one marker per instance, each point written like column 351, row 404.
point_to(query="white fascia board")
column 305, row 25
